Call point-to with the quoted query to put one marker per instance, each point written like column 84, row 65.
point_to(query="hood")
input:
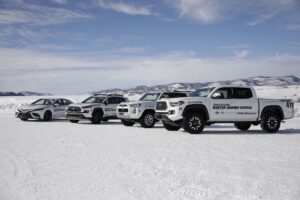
column 27, row 107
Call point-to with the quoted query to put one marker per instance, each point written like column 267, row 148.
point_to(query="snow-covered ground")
column 59, row 160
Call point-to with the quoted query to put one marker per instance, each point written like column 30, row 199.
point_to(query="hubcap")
column 272, row 123
column 149, row 120
column 195, row 123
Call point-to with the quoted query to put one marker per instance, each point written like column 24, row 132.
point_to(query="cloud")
column 212, row 11
column 39, row 15
column 120, row 7
column 241, row 54
column 23, row 69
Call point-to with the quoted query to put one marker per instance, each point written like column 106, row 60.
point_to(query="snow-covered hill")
column 282, row 81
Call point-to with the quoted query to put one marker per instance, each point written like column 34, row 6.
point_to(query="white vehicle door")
column 59, row 109
column 247, row 104
column 222, row 105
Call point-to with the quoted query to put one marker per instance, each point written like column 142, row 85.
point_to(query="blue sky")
column 67, row 46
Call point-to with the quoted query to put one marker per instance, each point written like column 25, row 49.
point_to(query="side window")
column 222, row 93
column 121, row 99
column 110, row 100
column 176, row 95
column 67, row 102
column 242, row 93
column 57, row 102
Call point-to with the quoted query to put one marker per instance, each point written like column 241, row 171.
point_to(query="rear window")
column 242, row 93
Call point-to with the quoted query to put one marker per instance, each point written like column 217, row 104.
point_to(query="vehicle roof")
column 236, row 86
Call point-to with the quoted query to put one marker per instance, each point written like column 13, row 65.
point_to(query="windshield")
column 94, row 100
column 149, row 97
column 203, row 92
column 42, row 102
column 171, row 95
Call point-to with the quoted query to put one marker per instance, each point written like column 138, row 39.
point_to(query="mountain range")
column 281, row 81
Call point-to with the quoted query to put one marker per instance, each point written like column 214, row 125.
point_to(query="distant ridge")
column 282, row 81
column 24, row 93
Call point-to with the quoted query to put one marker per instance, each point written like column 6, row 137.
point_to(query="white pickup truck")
column 223, row 104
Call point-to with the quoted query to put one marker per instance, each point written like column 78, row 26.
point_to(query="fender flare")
column 98, row 110
column 196, row 108
column 272, row 108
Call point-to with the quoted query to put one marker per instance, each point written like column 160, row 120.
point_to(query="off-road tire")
column 147, row 120
column 243, row 126
column 96, row 117
column 193, row 123
column 171, row 127
column 47, row 115
column 270, row 122
column 126, row 122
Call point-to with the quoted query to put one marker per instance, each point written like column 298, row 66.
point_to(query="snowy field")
column 58, row 160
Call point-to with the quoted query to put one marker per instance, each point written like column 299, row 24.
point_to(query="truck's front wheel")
column 194, row 123
column 243, row 126
column 270, row 122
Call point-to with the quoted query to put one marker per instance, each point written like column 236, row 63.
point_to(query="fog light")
column 86, row 111
column 171, row 112
column 134, row 111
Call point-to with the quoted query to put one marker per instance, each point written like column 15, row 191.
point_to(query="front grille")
column 162, row 105
column 122, row 110
column 74, row 109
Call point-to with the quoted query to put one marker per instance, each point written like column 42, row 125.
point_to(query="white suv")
column 143, row 111
column 97, row 108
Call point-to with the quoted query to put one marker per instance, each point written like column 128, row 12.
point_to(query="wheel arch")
column 98, row 110
column 199, row 108
column 275, row 109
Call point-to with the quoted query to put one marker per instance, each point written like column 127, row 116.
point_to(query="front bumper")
column 77, row 116
column 28, row 115
column 164, row 117
column 129, row 113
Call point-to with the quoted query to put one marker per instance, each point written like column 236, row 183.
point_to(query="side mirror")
column 217, row 95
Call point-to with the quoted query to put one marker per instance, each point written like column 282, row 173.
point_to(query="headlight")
column 85, row 107
column 176, row 103
column 135, row 105
column 39, row 109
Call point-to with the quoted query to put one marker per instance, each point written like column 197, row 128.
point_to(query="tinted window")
column 242, row 93
column 222, row 93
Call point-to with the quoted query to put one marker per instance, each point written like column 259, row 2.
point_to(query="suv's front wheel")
column 147, row 120
column 194, row 123
column 96, row 118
